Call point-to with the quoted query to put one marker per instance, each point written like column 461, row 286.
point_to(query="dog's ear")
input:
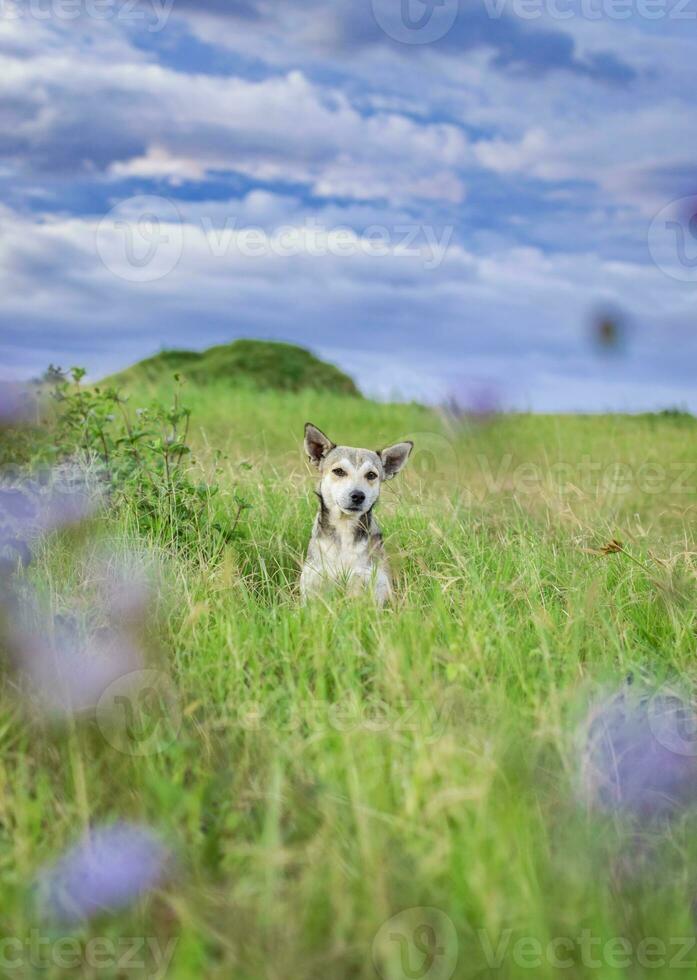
column 394, row 457
column 316, row 444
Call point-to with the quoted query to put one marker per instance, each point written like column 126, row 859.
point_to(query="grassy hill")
column 263, row 364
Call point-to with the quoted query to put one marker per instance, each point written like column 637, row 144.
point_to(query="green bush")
column 146, row 464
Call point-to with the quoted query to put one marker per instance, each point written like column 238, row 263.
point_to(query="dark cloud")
column 242, row 9
column 675, row 180
column 517, row 46
column 608, row 67
column 79, row 136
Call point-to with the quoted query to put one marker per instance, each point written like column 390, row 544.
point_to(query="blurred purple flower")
column 16, row 403
column 639, row 754
column 57, row 498
column 68, row 671
column 107, row 871
column 124, row 588
column 478, row 402
column 71, row 660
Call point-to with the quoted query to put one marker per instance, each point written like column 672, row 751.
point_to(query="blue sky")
column 439, row 196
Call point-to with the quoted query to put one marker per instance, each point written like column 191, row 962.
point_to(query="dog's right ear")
column 317, row 445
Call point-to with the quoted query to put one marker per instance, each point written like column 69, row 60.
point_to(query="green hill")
column 262, row 363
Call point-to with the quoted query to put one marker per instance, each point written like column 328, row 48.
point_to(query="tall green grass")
column 337, row 764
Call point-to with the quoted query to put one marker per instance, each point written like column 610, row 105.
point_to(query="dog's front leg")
column 310, row 582
column 382, row 587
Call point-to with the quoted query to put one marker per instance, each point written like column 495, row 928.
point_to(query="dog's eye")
column 371, row 476
column 339, row 472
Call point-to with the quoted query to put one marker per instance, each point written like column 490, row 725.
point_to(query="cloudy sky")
column 441, row 196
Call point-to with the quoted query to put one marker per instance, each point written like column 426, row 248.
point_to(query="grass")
column 336, row 765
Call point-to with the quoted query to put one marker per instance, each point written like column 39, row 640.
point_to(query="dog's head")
column 350, row 479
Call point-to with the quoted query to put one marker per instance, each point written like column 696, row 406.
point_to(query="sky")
column 444, row 197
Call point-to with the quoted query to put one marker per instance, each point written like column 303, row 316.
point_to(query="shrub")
column 146, row 464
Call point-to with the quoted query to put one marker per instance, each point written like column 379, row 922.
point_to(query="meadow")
column 330, row 766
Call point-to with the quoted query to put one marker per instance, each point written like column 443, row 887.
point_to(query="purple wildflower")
column 104, row 872
column 124, row 588
column 70, row 659
column 639, row 754
column 477, row 402
column 29, row 508
column 15, row 403
column 68, row 671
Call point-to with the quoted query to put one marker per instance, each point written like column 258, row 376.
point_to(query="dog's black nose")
column 357, row 497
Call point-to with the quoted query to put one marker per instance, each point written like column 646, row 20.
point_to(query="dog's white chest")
column 341, row 555
column 345, row 557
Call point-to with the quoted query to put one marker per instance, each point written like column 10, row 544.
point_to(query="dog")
column 346, row 543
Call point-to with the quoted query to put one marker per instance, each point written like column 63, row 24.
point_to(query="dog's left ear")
column 394, row 457
column 317, row 445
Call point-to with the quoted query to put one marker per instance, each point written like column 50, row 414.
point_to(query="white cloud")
column 616, row 151
column 282, row 128
column 517, row 316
